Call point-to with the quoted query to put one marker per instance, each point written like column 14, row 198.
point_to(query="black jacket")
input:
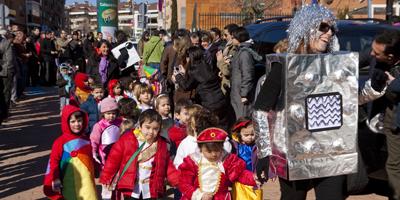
column 46, row 47
column 92, row 68
column 206, row 84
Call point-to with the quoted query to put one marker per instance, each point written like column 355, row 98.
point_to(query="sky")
column 68, row 2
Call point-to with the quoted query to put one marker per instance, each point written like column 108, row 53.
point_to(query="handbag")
column 117, row 177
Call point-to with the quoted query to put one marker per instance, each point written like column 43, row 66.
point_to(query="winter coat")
column 90, row 106
column 7, row 56
column 92, row 68
column 204, row 80
column 153, row 50
column 61, row 83
column 177, row 133
column 88, row 48
column 46, row 47
column 95, row 137
column 168, row 61
column 122, row 150
column 71, row 162
column 243, row 79
column 234, row 171
column 229, row 51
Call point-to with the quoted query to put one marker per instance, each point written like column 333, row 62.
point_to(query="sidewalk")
column 25, row 143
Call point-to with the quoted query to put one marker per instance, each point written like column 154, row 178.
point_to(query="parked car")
column 357, row 36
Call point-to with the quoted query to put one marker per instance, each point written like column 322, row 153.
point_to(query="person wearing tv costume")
column 306, row 112
column 70, row 165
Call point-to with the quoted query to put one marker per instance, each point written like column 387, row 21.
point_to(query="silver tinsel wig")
column 305, row 24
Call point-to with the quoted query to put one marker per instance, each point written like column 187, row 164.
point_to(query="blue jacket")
column 91, row 108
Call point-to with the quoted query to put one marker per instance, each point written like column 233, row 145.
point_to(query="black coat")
column 202, row 78
column 46, row 47
column 92, row 68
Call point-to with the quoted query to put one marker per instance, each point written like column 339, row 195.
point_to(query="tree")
column 254, row 9
column 174, row 17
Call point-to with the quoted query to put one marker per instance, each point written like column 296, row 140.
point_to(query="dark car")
column 356, row 36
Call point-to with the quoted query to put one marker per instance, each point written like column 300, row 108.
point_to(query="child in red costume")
column 208, row 175
column 145, row 177
column 70, row 172
column 115, row 90
column 82, row 89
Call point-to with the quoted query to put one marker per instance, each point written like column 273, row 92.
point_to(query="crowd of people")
column 184, row 116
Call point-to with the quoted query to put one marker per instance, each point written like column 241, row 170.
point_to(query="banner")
column 107, row 17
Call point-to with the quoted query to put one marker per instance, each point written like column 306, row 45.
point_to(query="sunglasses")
column 325, row 27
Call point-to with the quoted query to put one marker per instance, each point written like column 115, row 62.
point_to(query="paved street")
column 25, row 143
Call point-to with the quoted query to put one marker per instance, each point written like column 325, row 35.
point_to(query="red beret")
column 212, row 135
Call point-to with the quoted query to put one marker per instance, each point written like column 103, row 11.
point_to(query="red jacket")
column 120, row 153
column 235, row 171
column 65, row 147
column 177, row 133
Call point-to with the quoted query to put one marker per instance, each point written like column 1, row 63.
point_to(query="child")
column 91, row 106
column 70, row 172
column 82, row 89
column 178, row 132
column 64, row 82
column 128, row 109
column 199, row 120
column 145, row 176
column 115, row 90
column 163, row 107
column 105, row 133
column 144, row 95
column 109, row 112
column 209, row 173
column 129, row 85
column 243, row 140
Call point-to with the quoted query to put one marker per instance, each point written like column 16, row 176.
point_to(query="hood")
column 111, row 84
column 66, row 114
column 246, row 46
column 79, row 79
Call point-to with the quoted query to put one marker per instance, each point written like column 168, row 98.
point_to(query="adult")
column 173, row 56
column 201, row 77
column 243, row 79
column 195, row 39
column 48, row 52
column 224, row 58
column 22, row 55
column 76, row 49
column 145, row 38
column 311, row 31
column 99, row 37
column 386, row 56
column 33, row 62
column 152, row 51
column 102, row 66
column 7, row 71
column 216, row 45
column 62, row 47
column 88, row 46
column 165, row 37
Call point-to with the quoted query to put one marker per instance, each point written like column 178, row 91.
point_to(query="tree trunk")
column 174, row 17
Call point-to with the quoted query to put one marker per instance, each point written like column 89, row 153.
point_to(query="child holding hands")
column 70, row 172
column 145, row 176
column 208, row 174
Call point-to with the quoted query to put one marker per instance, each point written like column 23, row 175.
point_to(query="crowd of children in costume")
column 138, row 144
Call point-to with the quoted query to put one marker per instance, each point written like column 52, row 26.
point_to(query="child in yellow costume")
column 243, row 140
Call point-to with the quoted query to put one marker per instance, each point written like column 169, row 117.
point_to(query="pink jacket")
column 102, row 141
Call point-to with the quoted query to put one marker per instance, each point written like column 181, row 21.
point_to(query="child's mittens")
column 96, row 158
column 56, row 185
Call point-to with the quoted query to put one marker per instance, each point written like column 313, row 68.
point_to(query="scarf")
column 103, row 69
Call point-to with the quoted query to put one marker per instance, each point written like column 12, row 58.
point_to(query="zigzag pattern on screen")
column 324, row 110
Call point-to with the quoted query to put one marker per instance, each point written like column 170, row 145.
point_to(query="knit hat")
column 212, row 135
column 108, row 104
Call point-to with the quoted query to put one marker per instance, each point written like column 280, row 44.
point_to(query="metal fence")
column 208, row 20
